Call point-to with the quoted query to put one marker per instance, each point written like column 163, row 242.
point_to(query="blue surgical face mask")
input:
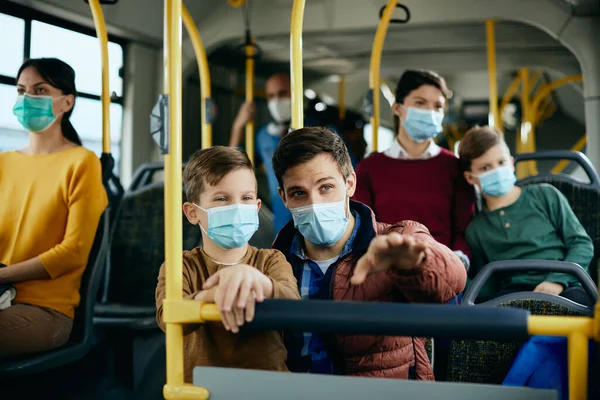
column 34, row 113
column 498, row 181
column 422, row 125
column 231, row 227
column 321, row 224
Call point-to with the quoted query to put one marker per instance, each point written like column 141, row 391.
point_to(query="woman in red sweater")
column 415, row 179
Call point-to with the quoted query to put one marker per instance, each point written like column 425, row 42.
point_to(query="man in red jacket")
column 339, row 252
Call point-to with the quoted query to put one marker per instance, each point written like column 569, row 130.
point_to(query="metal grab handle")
column 575, row 156
column 395, row 20
column 529, row 265
column 256, row 54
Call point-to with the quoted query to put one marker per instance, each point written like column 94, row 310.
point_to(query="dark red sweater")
column 432, row 192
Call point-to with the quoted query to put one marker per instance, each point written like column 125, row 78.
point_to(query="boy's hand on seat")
column 550, row 288
column 389, row 251
column 237, row 289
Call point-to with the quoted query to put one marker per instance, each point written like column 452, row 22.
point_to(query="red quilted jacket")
column 437, row 280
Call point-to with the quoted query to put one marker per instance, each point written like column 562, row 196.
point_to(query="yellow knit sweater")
column 50, row 206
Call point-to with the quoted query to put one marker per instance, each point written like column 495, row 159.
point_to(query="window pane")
column 12, row 30
column 12, row 134
column 82, row 53
column 385, row 139
column 87, row 120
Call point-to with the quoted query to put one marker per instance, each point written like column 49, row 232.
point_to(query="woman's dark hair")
column 60, row 75
column 412, row 80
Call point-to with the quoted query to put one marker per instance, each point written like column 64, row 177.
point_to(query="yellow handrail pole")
column 523, row 139
column 375, row 69
column 250, row 52
column 550, row 87
column 174, row 387
column 508, row 95
column 530, row 116
column 296, row 64
column 578, row 365
column 342, row 98
column 579, row 146
column 204, row 72
column 102, row 35
column 493, row 81
column 577, row 330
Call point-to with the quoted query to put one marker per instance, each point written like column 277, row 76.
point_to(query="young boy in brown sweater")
column 221, row 190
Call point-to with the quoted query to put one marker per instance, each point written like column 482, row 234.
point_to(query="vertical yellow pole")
column 493, row 118
column 102, row 35
column 375, row 67
column 173, row 185
column 205, row 85
column 578, row 365
column 250, row 97
column 523, row 137
column 296, row 64
column 342, row 98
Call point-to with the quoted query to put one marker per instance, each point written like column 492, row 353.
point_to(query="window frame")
column 29, row 15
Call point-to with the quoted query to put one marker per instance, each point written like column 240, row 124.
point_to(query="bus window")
column 386, row 137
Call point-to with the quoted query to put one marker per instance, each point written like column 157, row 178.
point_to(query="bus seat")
column 147, row 174
column 112, row 184
column 486, row 361
column 81, row 338
column 263, row 238
column 137, row 251
column 583, row 197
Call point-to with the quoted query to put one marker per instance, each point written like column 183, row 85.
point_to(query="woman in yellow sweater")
column 51, row 200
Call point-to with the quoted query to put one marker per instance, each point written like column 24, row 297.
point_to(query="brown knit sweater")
column 210, row 344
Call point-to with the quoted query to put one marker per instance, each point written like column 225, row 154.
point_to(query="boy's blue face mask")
column 231, row 227
column 422, row 125
column 498, row 181
column 321, row 224
column 34, row 113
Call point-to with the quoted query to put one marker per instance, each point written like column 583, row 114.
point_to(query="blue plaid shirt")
column 310, row 289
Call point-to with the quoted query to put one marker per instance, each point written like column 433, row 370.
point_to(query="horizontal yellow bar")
column 189, row 311
column 185, row 392
column 560, row 326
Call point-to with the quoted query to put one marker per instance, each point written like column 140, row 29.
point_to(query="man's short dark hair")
column 302, row 145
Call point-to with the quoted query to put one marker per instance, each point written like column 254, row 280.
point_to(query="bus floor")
column 112, row 370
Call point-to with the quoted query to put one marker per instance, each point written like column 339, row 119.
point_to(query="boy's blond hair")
column 209, row 166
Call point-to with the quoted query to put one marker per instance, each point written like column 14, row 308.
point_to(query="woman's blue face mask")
column 422, row 125
column 34, row 113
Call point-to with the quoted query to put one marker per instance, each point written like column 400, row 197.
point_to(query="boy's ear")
column 258, row 204
column 190, row 212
